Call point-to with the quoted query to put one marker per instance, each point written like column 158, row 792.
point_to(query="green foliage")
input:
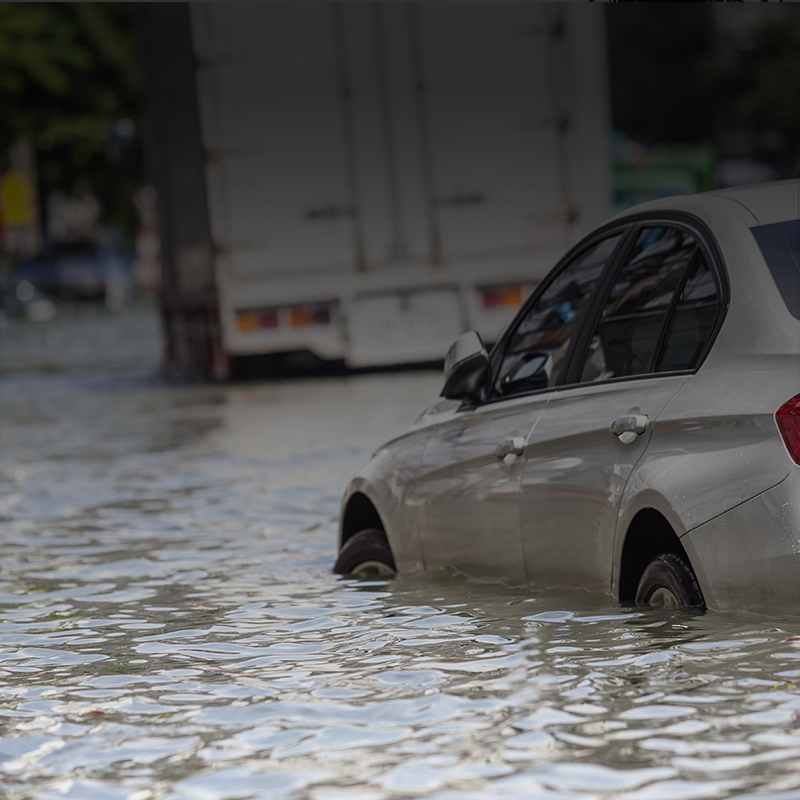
column 660, row 88
column 68, row 72
column 763, row 82
column 678, row 79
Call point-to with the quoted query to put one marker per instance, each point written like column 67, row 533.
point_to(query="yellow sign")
column 17, row 199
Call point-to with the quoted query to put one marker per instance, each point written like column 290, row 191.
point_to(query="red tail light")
column 253, row 319
column 788, row 419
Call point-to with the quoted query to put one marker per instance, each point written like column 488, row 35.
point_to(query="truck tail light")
column 253, row 319
column 268, row 319
column 259, row 318
column 787, row 418
column 310, row 315
column 498, row 296
column 300, row 317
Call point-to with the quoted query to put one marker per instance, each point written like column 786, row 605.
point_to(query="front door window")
column 537, row 348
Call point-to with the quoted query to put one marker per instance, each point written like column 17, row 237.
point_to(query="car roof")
column 776, row 201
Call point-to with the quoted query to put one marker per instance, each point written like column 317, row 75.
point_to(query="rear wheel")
column 366, row 555
column 668, row 582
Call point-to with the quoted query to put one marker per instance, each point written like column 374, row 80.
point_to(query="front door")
column 466, row 501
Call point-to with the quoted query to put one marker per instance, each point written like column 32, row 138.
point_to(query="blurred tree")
column 69, row 75
column 695, row 74
column 758, row 89
column 658, row 61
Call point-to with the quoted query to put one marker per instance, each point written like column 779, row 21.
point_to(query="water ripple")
column 169, row 628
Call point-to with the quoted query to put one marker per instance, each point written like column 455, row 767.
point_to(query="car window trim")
column 704, row 240
column 575, row 366
column 652, row 367
column 629, row 227
column 622, row 379
column 606, row 232
column 604, row 286
column 713, row 255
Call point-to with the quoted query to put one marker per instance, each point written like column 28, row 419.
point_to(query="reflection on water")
column 170, row 628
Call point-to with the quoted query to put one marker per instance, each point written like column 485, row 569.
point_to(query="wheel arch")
column 359, row 513
column 649, row 534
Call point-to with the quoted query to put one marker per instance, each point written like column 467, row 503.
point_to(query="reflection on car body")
column 636, row 430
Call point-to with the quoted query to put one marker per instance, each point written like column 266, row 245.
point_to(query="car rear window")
column 780, row 246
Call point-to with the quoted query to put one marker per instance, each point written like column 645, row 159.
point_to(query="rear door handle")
column 513, row 446
column 629, row 427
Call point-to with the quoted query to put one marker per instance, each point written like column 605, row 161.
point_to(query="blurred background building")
column 325, row 183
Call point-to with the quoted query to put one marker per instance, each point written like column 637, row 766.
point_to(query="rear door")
column 597, row 426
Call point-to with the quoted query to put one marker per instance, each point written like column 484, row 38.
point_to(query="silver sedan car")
column 635, row 431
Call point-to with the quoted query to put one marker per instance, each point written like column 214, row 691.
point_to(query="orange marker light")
column 501, row 296
column 300, row 317
column 247, row 321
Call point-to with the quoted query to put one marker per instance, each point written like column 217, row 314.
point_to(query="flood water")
column 171, row 629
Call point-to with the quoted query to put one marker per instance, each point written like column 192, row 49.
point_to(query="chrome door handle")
column 513, row 446
column 635, row 423
column 629, row 427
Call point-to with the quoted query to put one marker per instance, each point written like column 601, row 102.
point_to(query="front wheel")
column 366, row 555
column 668, row 582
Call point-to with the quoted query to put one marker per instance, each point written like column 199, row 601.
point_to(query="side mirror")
column 466, row 367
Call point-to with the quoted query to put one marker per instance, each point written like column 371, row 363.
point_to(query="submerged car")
column 635, row 430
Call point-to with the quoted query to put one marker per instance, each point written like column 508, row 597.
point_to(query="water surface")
column 169, row 627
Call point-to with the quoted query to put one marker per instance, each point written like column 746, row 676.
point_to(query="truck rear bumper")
column 398, row 326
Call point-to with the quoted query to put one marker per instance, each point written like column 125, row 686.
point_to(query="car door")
column 466, row 500
column 597, row 425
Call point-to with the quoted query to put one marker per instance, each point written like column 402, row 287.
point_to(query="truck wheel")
column 366, row 555
column 668, row 582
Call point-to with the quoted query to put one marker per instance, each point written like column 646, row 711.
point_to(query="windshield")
column 780, row 246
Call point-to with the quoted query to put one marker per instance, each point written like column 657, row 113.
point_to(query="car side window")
column 692, row 320
column 535, row 352
column 628, row 331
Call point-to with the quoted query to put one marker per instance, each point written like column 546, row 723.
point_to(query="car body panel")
column 382, row 480
column 767, row 202
column 710, row 461
column 713, row 208
column 749, row 557
column 466, row 498
column 716, row 444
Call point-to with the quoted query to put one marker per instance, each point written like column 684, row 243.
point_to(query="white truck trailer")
column 377, row 177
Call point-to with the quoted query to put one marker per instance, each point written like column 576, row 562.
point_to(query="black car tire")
column 366, row 554
column 669, row 582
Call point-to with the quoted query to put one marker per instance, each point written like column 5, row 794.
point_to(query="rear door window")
column 628, row 334
column 692, row 319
